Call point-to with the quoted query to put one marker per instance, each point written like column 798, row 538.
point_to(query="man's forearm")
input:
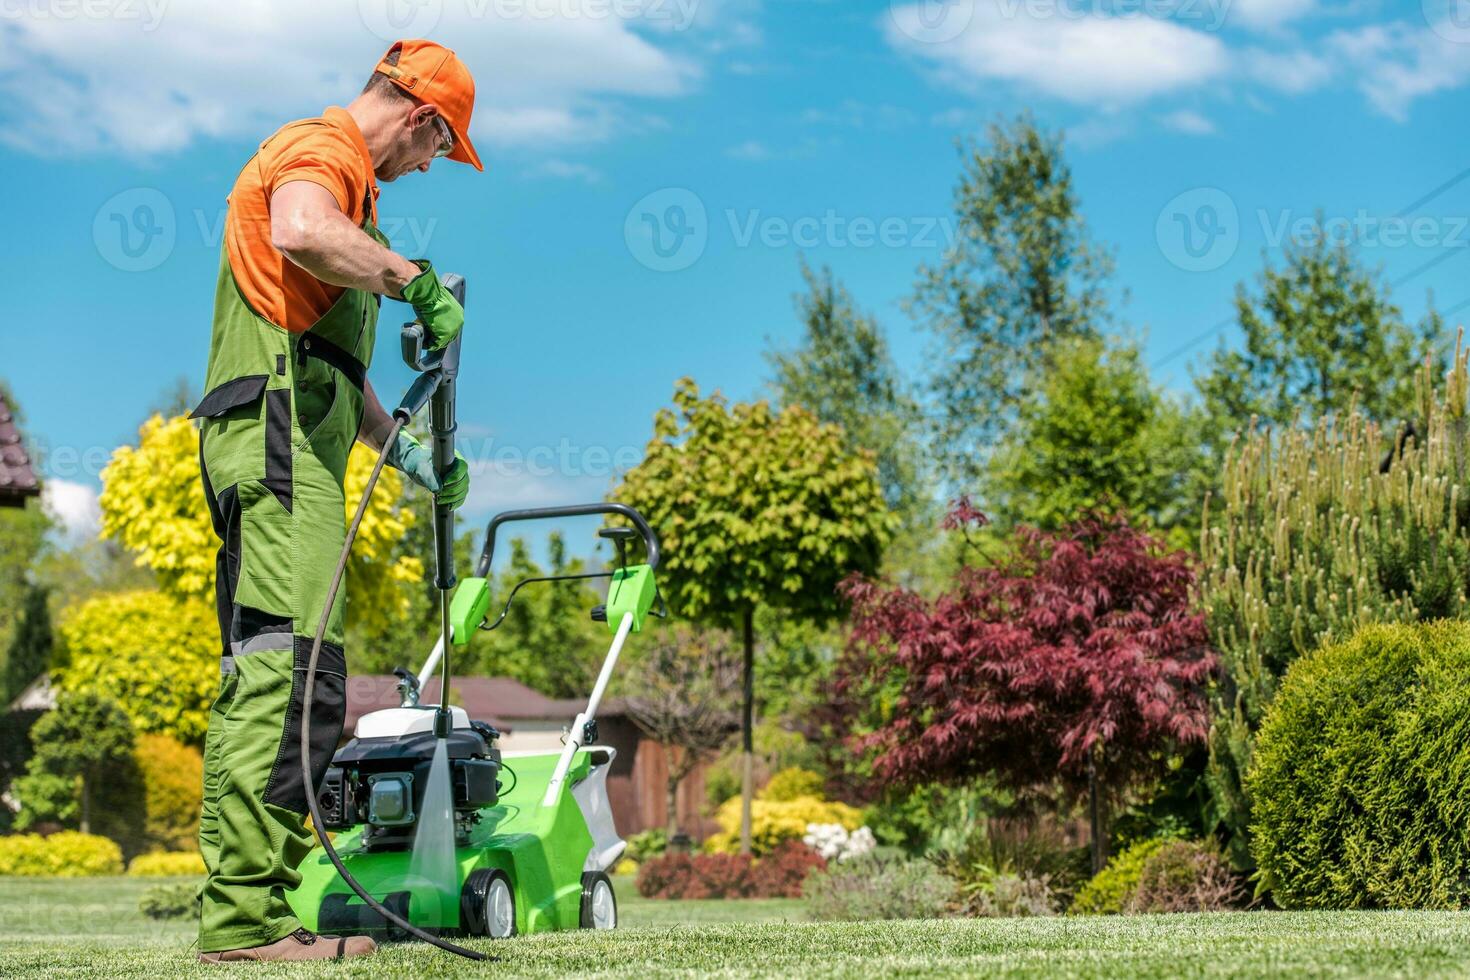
column 309, row 229
column 376, row 422
column 344, row 255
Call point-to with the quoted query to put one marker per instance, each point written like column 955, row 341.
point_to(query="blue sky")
column 657, row 167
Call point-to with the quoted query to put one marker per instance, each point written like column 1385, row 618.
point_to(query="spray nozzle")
column 443, row 722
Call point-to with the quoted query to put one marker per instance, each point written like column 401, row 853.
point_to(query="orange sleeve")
column 323, row 155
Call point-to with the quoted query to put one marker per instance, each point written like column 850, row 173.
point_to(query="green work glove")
column 416, row 461
column 437, row 309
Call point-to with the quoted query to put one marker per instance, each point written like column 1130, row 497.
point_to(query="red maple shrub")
column 780, row 873
column 1076, row 660
column 666, row 876
column 777, row 875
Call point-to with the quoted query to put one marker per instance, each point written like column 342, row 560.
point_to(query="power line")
column 1401, row 213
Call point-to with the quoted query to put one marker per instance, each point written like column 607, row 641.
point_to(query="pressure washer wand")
column 436, row 383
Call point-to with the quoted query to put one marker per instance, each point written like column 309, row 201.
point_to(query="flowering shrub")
column 782, row 873
column 774, row 821
column 833, row 842
column 778, row 875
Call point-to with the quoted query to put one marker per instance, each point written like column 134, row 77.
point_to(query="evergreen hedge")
column 1361, row 776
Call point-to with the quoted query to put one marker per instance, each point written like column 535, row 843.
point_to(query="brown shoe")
column 300, row 945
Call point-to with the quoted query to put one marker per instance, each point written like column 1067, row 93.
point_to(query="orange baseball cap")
column 431, row 73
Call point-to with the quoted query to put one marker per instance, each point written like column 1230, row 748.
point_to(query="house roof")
column 500, row 701
column 17, row 478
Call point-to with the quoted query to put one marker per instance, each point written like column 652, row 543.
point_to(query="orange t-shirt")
column 328, row 151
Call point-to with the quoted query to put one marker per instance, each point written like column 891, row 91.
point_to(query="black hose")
column 310, row 689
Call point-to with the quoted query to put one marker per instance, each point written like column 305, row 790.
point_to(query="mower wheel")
column 488, row 904
column 599, row 903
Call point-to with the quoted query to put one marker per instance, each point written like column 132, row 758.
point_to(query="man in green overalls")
column 301, row 277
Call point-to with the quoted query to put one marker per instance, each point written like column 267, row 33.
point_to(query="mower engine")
column 378, row 779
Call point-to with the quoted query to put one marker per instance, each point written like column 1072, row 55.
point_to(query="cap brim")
column 464, row 150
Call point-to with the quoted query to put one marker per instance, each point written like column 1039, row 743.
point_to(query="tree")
column 1074, row 659
column 82, row 773
column 1321, row 334
column 156, row 655
column 30, row 645
column 755, row 508
column 1317, row 532
column 1020, row 273
column 22, row 546
column 683, row 694
column 548, row 640
column 844, row 373
column 152, row 503
column 1096, row 433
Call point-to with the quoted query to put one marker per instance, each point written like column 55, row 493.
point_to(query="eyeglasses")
column 446, row 137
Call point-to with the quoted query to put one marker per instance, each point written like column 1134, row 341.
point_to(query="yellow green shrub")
column 791, row 784
column 67, row 854
column 167, row 864
column 173, row 786
column 774, row 821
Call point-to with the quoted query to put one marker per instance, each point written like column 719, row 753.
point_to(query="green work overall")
column 279, row 417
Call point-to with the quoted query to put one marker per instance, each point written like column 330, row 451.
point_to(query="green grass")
column 91, row 928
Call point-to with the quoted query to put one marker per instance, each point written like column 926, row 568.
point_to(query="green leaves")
column 1321, row 336
column 756, row 507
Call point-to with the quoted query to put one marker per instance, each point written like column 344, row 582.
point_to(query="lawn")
column 91, row 927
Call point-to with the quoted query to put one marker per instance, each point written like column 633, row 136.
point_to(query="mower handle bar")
column 487, row 555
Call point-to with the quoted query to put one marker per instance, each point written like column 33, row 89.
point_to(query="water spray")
column 435, row 386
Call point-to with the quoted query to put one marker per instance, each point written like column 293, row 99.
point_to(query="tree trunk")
column 86, row 805
column 747, row 738
column 1095, row 814
column 671, row 800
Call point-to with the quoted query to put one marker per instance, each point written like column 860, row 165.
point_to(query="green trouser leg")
column 259, row 844
column 253, row 831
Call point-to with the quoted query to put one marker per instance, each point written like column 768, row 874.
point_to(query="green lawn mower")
column 424, row 828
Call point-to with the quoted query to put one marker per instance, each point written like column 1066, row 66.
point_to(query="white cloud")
column 1188, row 121
column 140, row 86
column 752, row 150
column 1394, row 64
column 566, row 170
column 1087, row 59
column 74, row 506
column 1266, row 14
column 1293, row 72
